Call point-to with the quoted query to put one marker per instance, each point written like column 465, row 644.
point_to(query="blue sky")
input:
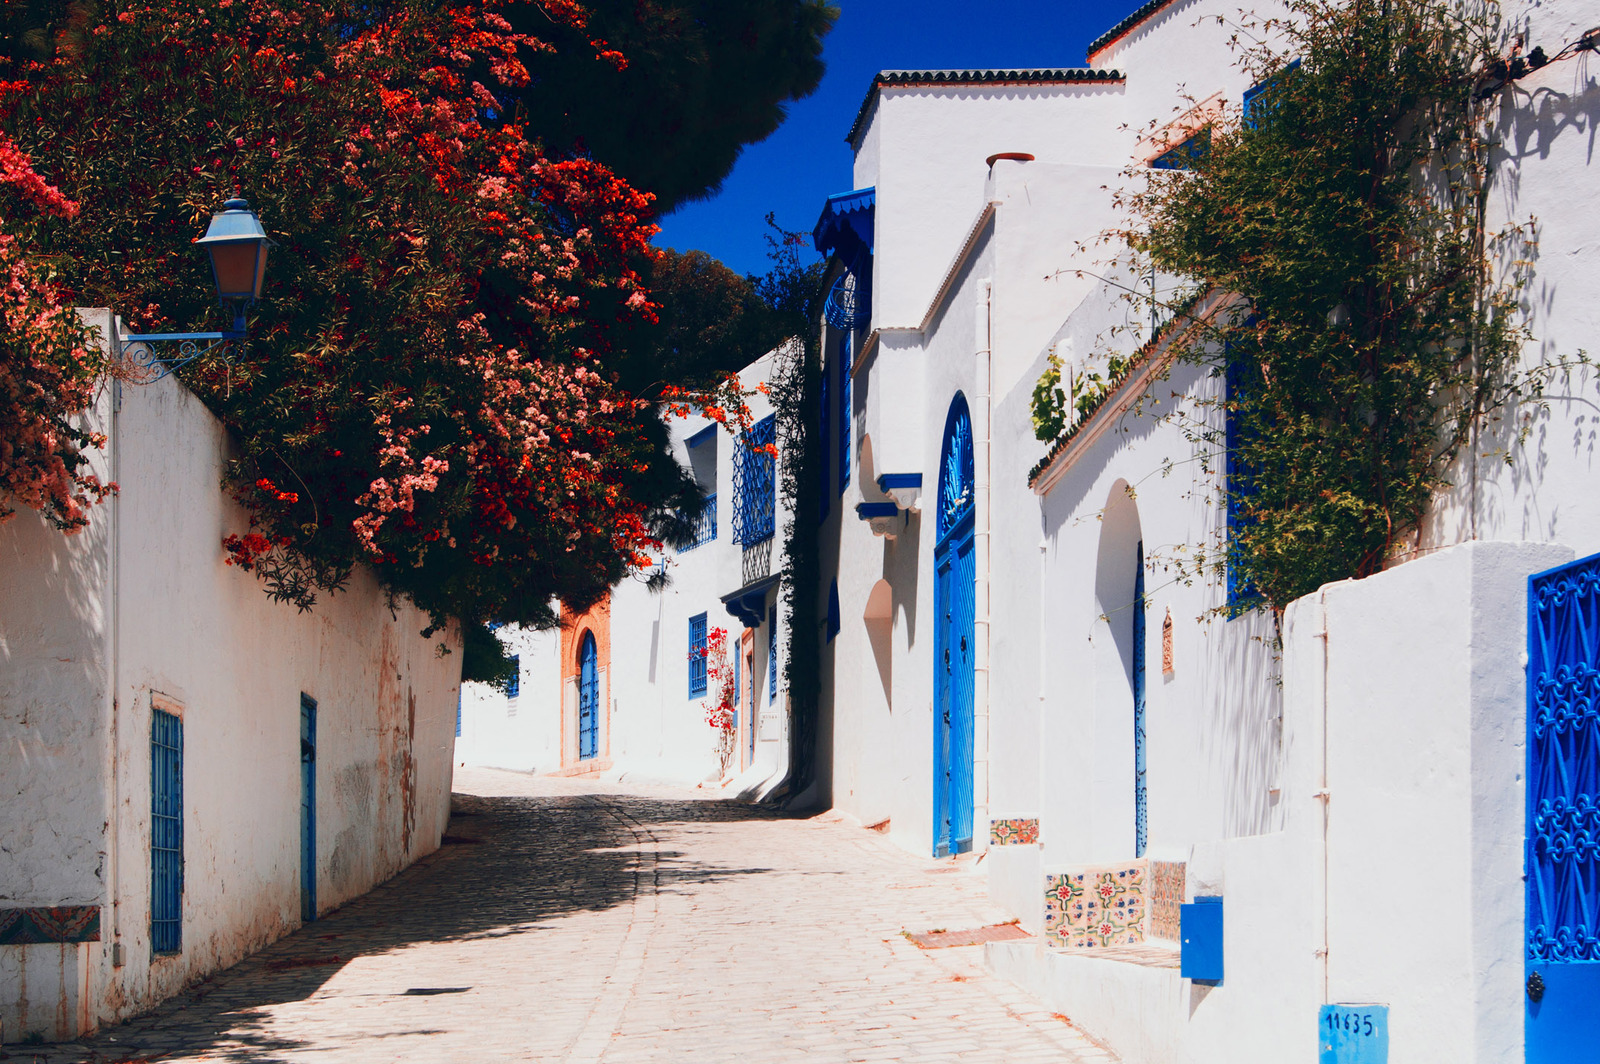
column 807, row 159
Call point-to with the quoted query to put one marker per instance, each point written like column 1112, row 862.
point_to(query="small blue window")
column 697, row 655
column 1183, row 156
column 1259, row 102
column 514, row 684
column 846, row 365
column 166, row 832
column 833, row 610
column 772, row 652
column 755, row 488
column 458, row 713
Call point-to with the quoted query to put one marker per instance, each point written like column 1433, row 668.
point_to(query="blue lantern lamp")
column 237, row 245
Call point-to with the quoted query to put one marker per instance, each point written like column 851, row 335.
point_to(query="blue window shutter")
column 846, row 364
column 514, row 684
column 458, row 713
column 772, row 652
column 166, row 832
column 697, row 655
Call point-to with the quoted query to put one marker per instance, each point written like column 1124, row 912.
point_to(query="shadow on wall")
column 497, row 875
column 879, row 619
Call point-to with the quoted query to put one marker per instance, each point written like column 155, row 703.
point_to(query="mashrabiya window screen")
column 755, row 486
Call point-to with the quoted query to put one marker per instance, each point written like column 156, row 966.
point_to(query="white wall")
column 523, row 733
column 142, row 604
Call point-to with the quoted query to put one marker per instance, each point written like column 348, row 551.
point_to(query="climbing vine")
column 1373, row 329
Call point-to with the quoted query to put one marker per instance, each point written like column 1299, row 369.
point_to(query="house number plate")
column 1353, row 1034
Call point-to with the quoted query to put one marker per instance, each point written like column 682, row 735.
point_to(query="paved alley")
column 573, row 922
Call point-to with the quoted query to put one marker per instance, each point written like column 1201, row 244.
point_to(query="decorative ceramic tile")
column 64, row 923
column 1014, row 831
column 1096, row 907
column 1166, row 898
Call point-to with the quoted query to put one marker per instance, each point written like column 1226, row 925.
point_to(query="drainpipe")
column 1323, row 795
column 982, row 440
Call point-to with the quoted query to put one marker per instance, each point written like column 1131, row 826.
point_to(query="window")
column 1260, row 99
column 772, row 652
column 1242, row 595
column 166, row 832
column 1182, row 156
column 458, row 713
column 754, row 485
column 833, row 610
column 846, row 364
column 514, row 682
column 697, row 655
column 702, row 447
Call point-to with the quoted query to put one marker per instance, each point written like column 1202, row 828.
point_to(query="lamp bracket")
column 141, row 347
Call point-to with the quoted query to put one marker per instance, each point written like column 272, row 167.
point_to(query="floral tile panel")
column 1096, row 907
column 1014, row 831
column 62, row 923
column 1166, row 899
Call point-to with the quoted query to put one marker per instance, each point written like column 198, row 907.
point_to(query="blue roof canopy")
column 845, row 228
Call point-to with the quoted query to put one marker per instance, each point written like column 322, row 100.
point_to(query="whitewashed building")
column 1333, row 837
column 622, row 691
column 191, row 770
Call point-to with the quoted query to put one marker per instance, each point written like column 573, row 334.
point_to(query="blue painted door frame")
column 588, row 699
column 308, row 808
column 955, row 574
column 1562, row 842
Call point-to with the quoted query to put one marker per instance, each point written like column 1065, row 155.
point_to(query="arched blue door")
column 588, row 699
column 954, row 586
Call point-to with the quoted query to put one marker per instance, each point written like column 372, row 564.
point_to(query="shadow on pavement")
column 508, row 866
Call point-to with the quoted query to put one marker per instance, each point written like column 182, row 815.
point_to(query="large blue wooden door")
column 588, row 699
column 308, row 808
column 954, row 587
column 1562, row 857
column 1141, row 816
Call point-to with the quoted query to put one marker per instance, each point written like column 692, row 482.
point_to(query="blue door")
column 588, row 699
column 955, row 574
column 308, row 808
column 1141, row 818
column 1562, row 857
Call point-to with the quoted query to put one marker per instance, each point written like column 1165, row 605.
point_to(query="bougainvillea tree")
column 426, row 387
column 48, row 366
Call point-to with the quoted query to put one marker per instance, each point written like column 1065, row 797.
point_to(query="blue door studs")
column 954, row 587
column 1562, row 856
column 588, row 699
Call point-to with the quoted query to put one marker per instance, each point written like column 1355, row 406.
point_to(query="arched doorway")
column 954, row 586
column 588, row 698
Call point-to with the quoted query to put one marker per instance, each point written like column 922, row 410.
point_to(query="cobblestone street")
column 568, row 921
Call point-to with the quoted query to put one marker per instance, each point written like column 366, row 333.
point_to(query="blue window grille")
column 755, row 492
column 705, row 526
column 846, row 364
column 824, row 444
column 697, row 655
column 458, row 713
column 514, row 683
column 1241, row 487
column 1260, row 99
column 772, row 652
column 833, row 610
column 1182, row 156
column 166, row 832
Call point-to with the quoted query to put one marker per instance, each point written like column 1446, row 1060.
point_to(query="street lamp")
column 238, row 247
